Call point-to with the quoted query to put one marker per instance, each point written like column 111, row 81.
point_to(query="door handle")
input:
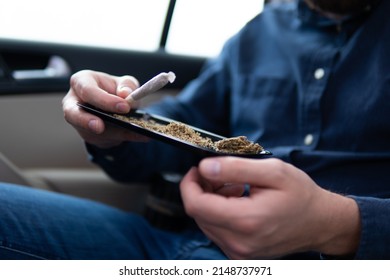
column 57, row 67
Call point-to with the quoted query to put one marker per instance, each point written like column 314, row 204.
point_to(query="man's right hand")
column 103, row 91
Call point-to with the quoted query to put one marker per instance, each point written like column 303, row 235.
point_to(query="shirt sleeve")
column 375, row 228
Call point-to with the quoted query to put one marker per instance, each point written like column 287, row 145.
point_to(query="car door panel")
column 16, row 55
column 36, row 139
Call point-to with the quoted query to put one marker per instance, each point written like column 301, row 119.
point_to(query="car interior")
column 38, row 148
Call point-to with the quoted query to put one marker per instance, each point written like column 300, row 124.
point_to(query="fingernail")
column 125, row 89
column 122, row 107
column 93, row 125
column 211, row 167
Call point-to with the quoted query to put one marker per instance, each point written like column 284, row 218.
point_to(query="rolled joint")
column 152, row 85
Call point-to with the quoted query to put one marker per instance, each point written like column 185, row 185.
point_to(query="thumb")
column 263, row 172
column 125, row 85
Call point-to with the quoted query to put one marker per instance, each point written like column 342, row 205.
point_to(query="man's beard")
column 340, row 7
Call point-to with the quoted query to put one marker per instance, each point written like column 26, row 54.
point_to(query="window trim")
column 167, row 24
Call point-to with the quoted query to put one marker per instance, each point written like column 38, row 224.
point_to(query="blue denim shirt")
column 314, row 91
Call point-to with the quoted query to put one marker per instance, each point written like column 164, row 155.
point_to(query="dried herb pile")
column 234, row 145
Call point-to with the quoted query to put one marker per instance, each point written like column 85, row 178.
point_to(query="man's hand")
column 105, row 92
column 286, row 212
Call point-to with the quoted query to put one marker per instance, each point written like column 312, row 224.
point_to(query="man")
column 309, row 81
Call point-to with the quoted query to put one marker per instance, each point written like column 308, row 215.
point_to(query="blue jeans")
column 36, row 224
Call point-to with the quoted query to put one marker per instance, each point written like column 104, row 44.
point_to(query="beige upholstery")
column 86, row 183
column 10, row 173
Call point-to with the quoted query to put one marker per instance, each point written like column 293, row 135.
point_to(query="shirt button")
column 109, row 158
column 308, row 139
column 319, row 73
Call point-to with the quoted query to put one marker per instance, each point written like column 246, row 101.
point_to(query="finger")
column 193, row 195
column 230, row 189
column 264, row 172
column 126, row 85
column 207, row 207
column 79, row 118
column 99, row 90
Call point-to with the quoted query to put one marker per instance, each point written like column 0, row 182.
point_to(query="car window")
column 201, row 27
column 128, row 24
